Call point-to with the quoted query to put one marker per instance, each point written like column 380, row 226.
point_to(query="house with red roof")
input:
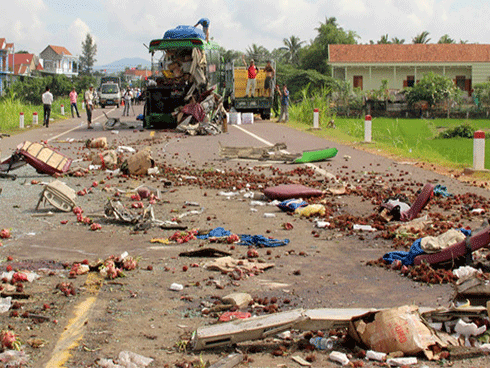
column 24, row 64
column 5, row 68
column 58, row 60
column 134, row 73
column 402, row 65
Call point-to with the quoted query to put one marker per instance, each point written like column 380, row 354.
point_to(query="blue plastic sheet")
column 184, row 32
column 215, row 233
column 261, row 241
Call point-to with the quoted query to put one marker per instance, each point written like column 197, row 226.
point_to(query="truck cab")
column 110, row 94
column 184, row 66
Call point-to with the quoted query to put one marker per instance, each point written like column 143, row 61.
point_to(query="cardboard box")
column 396, row 329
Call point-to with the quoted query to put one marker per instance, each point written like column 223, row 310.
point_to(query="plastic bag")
column 291, row 205
column 311, row 210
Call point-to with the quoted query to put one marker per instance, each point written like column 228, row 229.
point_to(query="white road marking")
column 77, row 127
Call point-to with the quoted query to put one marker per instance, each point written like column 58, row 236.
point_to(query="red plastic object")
column 477, row 241
column 228, row 316
column 288, row 191
column 419, row 203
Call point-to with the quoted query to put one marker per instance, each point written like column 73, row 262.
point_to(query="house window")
column 461, row 82
column 410, row 80
column 357, row 82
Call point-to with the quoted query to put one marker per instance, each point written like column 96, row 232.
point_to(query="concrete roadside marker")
column 367, row 129
column 479, row 150
column 21, row 120
column 316, row 119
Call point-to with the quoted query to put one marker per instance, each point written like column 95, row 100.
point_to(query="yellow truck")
column 236, row 84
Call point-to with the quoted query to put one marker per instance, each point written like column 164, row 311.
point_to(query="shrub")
column 464, row 130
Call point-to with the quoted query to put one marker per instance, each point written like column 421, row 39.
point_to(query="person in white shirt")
column 47, row 102
column 89, row 105
column 127, row 101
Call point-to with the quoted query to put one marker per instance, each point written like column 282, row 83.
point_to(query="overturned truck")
column 181, row 93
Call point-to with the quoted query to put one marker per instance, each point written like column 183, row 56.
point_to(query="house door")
column 357, row 82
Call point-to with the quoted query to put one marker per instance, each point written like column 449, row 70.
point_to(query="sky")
column 120, row 28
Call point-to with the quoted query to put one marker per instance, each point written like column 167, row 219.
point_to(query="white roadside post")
column 479, row 150
column 21, row 120
column 62, row 109
column 367, row 128
column 316, row 119
column 35, row 119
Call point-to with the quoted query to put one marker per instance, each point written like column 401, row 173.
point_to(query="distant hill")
column 122, row 64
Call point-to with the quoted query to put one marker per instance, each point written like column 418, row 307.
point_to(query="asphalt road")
column 313, row 271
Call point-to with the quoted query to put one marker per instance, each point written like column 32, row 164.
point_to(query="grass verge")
column 10, row 109
column 407, row 139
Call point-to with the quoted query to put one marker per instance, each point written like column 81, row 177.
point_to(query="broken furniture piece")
column 269, row 325
column 58, row 195
column 43, row 158
column 261, row 327
column 116, row 123
column 13, row 162
column 267, row 153
column 459, row 250
column 390, row 211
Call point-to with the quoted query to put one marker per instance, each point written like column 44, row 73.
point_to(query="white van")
column 109, row 94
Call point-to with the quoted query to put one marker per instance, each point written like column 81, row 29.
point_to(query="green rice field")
column 414, row 139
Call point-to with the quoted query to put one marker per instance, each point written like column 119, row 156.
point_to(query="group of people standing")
column 252, row 71
column 89, row 98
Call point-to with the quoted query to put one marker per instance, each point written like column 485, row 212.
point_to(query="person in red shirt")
column 251, row 74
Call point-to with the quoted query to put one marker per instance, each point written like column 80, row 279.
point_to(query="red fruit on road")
column 252, row 253
column 5, row 234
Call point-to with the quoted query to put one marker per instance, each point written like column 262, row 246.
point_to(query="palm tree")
column 446, row 39
column 293, row 45
column 421, row 38
column 258, row 53
column 384, row 40
column 397, row 41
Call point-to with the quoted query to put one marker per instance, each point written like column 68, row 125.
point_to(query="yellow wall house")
column 365, row 66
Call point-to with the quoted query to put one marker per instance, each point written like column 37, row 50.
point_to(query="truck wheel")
column 265, row 115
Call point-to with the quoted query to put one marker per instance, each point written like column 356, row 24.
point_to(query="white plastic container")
column 247, row 118
column 234, row 118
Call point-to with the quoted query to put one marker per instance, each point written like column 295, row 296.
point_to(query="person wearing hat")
column 89, row 105
column 128, row 96
column 251, row 74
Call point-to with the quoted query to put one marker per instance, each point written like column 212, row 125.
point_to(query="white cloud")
column 353, row 6
column 121, row 27
column 22, row 24
column 78, row 32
